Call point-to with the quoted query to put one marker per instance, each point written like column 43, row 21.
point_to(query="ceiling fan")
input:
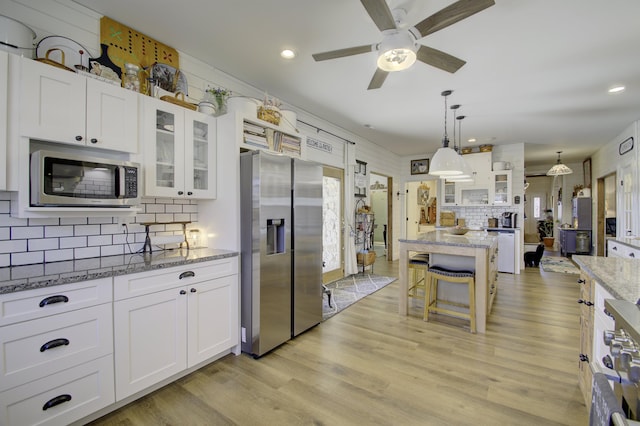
column 399, row 49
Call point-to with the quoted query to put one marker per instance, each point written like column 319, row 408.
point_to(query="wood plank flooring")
column 368, row 365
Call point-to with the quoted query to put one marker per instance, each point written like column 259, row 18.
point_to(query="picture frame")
column 360, row 179
column 420, row 167
column 586, row 170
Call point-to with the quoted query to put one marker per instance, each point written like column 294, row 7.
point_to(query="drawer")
column 126, row 286
column 600, row 295
column 33, row 349
column 79, row 391
column 616, row 249
column 31, row 304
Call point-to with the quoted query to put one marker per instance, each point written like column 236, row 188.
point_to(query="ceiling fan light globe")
column 397, row 51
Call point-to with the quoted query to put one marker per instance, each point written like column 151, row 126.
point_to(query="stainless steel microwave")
column 64, row 179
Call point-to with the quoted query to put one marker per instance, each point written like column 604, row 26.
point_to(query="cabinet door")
column 449, row 193
column 164, row 149
column 52, row 103
column 200, row 156
column 213, row 318
column 112, row 117
column 150, row 339
column 501, row 188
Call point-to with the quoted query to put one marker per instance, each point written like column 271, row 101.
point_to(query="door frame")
column 336, row 274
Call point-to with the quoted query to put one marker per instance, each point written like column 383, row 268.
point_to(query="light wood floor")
column 368, row 365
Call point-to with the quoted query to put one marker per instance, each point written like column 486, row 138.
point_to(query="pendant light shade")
column 446, row 162
column 559, row 168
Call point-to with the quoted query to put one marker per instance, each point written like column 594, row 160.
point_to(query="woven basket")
column 366, row 259
column 48, row 61
column 269, row 115
column 486, row 148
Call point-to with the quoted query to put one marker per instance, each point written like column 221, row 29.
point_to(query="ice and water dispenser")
column 275, row 236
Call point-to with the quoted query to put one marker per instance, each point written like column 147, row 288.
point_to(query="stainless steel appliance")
column 281, row 246
column 74, row 179
column 621, row 366
column 509, row 220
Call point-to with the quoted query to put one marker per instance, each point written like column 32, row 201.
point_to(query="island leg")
column 403, row 271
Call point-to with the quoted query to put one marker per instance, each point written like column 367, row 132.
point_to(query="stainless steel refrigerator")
column 281, row 249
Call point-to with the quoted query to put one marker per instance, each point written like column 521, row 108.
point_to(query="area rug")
column 558, row 264
column 349, row 290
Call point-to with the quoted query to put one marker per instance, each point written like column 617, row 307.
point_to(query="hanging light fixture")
column 559, row 168
column 467, row 172
column 446, row 162
column 397, row 51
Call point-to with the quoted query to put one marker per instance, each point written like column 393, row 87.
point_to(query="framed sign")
column 420, row 167
column 586, row 170
column 625, row 146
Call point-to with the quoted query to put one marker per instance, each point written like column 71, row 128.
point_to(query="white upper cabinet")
column 62, row 106
column 180, row 151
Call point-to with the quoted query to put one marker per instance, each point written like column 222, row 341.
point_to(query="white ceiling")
column 537, row 70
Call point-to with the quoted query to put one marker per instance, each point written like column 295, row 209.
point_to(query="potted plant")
column 545, row 229
column 218, row 97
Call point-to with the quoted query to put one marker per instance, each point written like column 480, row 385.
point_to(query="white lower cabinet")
column 178, row 318
column 56, row 353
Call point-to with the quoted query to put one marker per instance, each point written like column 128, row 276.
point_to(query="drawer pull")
column 54, row 344
column 187, row 274
column 56, row 401
column 60, row 298
column 632, row 255
column 581, row 281
column 615, row 248
column 586, row 302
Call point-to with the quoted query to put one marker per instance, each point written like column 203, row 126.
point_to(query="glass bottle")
column 131, row 80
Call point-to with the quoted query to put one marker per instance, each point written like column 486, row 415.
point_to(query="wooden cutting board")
column 128, row 45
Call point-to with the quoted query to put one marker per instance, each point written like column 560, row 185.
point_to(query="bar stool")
column 431, row 303
column 418, row 264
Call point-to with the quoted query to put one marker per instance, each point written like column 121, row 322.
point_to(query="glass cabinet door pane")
column 500, row 189
column 165, row 149
column 200, row 155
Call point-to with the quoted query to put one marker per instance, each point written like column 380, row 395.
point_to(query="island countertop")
column 619, row 276
column 476, row 239
column 478, row 245
column 28, row 277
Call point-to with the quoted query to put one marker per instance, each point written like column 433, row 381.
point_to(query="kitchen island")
column 477, row 248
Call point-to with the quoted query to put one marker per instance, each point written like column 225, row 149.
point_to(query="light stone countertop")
column 476, row 239
column 633, row 242
column 28, row 277
column 620, row 277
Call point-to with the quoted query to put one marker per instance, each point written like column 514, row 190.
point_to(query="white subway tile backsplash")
column 86, row 230
column 27, row 257
column 24, row 232
column 58, row 231
column 26, row 241
column 73, row 242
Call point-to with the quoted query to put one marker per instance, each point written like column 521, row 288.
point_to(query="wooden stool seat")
column 432, row 303
column 418, row 264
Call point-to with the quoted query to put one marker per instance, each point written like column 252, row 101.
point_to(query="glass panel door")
column 165, row 149
column 200, row 159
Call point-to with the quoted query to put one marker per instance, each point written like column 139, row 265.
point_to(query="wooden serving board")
column 128, row 45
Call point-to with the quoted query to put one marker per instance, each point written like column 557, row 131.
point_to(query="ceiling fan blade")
column 451, row 14
column 437, row 58
column 378, row 78
column 380, row 14
column 340, row 53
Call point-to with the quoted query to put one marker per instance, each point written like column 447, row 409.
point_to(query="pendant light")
column 467, row 172
column 446, row 162
column 559, row 168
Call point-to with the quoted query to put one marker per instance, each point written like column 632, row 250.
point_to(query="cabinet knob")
column 78, row 138
column 584, row 358
column 180, row 193
column 193, row 290
column 183, row 292
column 581, row 281
column 94, row 140
column 632, row 255
column 189, row 193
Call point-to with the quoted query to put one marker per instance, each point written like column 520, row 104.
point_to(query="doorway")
column 538, row 202
column 333, row 224
column 606, row 215
column 421, row 210
column 381, row 206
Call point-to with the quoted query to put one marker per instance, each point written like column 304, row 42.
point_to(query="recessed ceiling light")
column 617, row 89
column 288, row 54
column 472, row 140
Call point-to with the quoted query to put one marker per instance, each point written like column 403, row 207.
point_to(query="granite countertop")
column 633, row 242
column 28, row 277
column 620, row 277
column 476, row 239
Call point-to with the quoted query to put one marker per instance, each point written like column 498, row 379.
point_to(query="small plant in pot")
column 545, row 229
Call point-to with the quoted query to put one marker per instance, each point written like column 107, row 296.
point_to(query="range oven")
column 616, row 388
column 64, row 179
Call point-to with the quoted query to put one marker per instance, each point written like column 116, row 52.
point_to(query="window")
column 536, row 208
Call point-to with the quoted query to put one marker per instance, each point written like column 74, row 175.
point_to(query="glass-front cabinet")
column 501, row 187
column 180, row 152
column 449, row 193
